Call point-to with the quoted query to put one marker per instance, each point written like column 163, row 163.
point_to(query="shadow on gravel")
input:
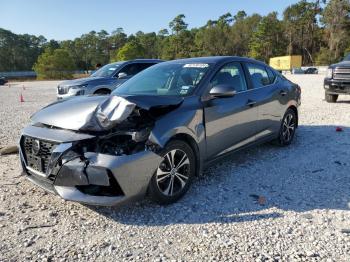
column 343, row 102
column 312, row 173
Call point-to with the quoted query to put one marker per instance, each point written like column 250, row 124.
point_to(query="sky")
column 67, row 19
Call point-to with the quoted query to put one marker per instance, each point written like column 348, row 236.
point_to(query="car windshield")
column 168, row 79
column 347, row 58
column 107, row 70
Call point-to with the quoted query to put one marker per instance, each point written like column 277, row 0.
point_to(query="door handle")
column 283, row 93
column 251, row 103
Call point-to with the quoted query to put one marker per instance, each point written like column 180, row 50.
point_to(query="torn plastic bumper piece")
column 92, row 178
column 127, row 177
column 129, row 173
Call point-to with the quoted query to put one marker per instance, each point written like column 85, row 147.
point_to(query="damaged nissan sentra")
column 154, row 133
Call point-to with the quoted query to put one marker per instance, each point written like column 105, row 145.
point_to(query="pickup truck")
column 337, row 80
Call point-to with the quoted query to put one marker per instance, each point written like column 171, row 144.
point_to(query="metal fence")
column 18, row 74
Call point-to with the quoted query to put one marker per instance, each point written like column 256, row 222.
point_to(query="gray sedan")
column 158, row 130
column 104, row 80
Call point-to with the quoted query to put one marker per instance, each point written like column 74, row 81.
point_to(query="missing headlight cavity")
column 117, row 143
column 125, row 143
column 120, row 145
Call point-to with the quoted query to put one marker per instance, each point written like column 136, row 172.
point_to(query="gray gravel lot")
column 302, row 214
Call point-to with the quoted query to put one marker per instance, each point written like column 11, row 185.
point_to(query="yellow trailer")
column 283, row 63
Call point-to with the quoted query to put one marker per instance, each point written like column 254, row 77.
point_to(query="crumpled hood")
column 80, row 112
column 88, row 81
column 68, row 114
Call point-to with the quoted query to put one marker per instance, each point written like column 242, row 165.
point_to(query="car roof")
column 207, row 59
column 146, row 60
column 143, row 61
column 216, row 59
column 137, row 61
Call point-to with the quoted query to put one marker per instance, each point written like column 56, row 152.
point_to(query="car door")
column 267, row 95
column 230, row 122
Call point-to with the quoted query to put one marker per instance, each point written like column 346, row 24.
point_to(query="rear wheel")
column 331, row 98
column 287, row 129
column 174, row 174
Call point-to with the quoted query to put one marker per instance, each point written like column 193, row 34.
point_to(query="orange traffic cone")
column 21, row 98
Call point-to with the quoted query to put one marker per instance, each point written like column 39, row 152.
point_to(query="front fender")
column 178, row 122
column 189, row 123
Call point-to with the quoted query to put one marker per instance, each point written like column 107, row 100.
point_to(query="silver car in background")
column 104, row 80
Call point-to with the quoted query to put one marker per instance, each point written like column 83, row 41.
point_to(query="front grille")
column 37, row 153
column 61, row 90
column 342, row 74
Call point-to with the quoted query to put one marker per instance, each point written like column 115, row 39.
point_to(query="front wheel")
column 331, row 98
column 287, row 129
column 174, row 174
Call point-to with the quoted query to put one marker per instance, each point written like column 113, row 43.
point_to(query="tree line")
column 317, row 30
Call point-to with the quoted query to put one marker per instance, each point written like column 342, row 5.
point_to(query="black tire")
column 331, row 98
column 288, row 128
column 160, row 189
column 102, row 92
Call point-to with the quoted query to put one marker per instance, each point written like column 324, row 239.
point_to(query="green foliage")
column 301, row 29
column 19, row 52
column 347, row 51
column 178, row 24
column 241, row 33
column 214, row 38
column 54, row 64
column 130, row 50
column 336, row 18
column 324, row 57
column 268, row 40
column 318, row 30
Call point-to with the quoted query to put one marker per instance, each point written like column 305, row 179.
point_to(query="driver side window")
column 231, row 74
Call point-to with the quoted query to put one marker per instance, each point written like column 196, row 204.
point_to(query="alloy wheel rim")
column 173, row 172
column 288, row 127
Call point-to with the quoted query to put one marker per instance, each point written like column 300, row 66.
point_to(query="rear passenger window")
column 258, row 75
column 131, row 69
column 135, row 68
column 143, row 66
column 231, row 74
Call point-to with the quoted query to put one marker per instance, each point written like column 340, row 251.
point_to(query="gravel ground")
column 262, row 204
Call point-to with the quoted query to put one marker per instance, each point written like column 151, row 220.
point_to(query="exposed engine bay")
column 125, row 126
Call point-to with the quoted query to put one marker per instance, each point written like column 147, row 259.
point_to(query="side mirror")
column 122, row 75
column 222, row 91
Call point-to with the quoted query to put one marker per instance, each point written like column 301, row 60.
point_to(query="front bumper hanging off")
column 94, row 178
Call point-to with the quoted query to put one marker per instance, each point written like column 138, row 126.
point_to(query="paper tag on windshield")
column 184, row 90
column 196, row 65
